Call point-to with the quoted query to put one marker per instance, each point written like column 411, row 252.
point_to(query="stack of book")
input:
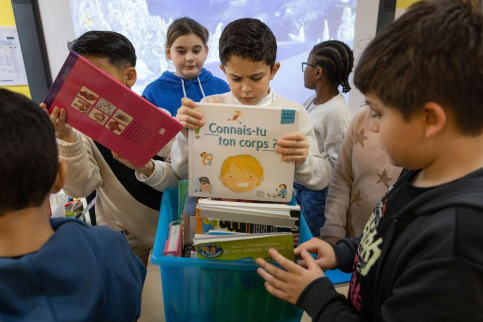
column 245, row 217
column 233, row 156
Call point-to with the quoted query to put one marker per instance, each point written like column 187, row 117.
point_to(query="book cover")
column 228, row 247
column 182, row 193
column 109, row 112
column 233, row 154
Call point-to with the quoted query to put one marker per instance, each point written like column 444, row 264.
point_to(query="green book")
column 182, row 192
column 243, row 246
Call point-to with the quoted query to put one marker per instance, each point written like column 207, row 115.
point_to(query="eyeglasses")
column 304, row 66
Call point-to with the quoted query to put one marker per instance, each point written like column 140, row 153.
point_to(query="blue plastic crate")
column 214, row 290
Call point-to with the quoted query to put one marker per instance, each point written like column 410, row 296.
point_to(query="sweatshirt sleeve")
column 163, row 175
column 83, row 173
column 179, row 156
column 315, row 173
column 338, row 198
column 322, row 302
column 179, row 149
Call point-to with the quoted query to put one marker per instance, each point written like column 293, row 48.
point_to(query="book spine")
column 251, row 228
column 61, row 78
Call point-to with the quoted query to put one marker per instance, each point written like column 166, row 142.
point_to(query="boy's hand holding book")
column 147, row 169
column 293, row 147
column 288, row 284
column 63, row 131
column 188, row 116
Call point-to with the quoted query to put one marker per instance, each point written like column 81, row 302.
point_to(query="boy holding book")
column 423, row 80
column 128, row 197
column 247, row 52
column 57, row 269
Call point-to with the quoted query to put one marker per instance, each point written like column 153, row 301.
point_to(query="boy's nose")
column 246, row 88
column 189, row 57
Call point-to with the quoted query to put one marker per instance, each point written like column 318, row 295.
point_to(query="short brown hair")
column 432, row 53
column 248, row 38
column 186, row 26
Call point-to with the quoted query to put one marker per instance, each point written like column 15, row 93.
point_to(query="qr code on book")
column 260, row 193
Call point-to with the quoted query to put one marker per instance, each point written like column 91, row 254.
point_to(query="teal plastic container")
column 214, row 290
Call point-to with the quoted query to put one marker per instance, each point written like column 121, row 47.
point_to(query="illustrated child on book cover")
column 282, row 193
column 204, row 185
column 207, row 158
column 241, row 173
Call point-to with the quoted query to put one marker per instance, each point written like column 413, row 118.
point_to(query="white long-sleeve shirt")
column 330, row 120
column 315, row 173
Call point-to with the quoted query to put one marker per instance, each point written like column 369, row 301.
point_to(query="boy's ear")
column 206, row 51
column 222, row 68
column 167, row 52
column 60, row 178
column 435, row 119
column 274, row 70
column 130, row 76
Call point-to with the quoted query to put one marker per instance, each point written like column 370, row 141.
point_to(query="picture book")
column 242, row 247
column 182, row 192
column 233, row 154
column 109, row 112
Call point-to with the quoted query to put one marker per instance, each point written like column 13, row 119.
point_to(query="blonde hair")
column 245, row 163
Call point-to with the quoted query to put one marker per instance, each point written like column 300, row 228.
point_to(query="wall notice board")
column 9, row 55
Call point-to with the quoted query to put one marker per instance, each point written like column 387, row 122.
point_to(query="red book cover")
column 109, row 112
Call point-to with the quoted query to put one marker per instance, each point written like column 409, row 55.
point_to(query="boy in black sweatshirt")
column 420, row 255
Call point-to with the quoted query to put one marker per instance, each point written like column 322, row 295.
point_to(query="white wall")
column 365, row 30
column 58, row 30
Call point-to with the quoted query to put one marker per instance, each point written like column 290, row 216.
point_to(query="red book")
column 109, row 112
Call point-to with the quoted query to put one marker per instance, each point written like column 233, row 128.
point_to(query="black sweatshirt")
column 420, row 258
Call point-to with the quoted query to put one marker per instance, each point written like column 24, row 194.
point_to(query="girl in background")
column 186, row 46
column 328, row 67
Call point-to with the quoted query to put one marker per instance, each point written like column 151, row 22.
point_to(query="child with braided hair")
column 328, row 67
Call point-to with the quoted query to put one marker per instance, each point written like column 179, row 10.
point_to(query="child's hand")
column 325, row 253
column 188, row 116
column 293, row 147
column 288, row 285
column 147, row 169
column 62, row 130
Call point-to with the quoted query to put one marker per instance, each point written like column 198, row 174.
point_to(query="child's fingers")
column 309, row 260
column 302, row 263
column 188, row 102
column 296, row 136
column 276, row 292
column 285, row 263
column 62, row 116
column 274, row 281
column 271, row 270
